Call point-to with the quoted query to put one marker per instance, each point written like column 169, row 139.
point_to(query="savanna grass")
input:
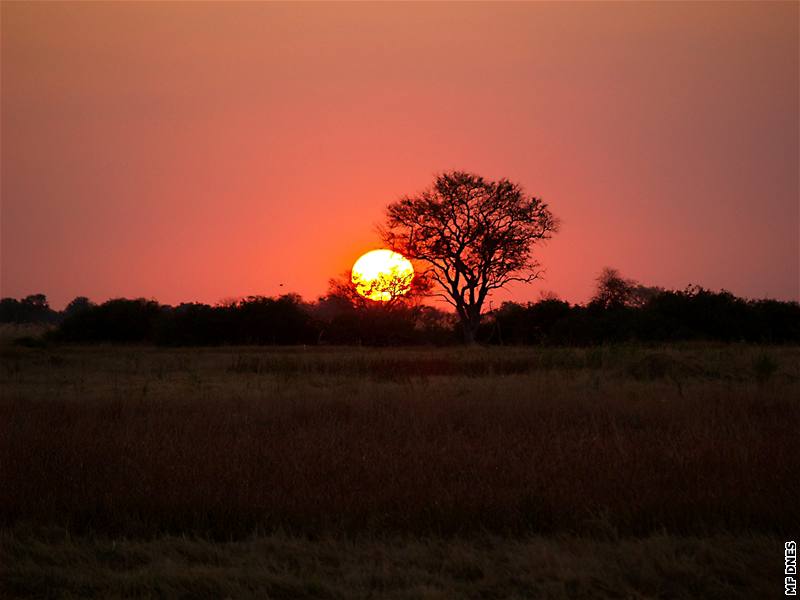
column 392, row 567
column 604, row 442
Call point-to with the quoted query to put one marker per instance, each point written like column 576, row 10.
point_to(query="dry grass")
column 280, row 566
column 24, row 332
column 149, row 441
column 608, row 451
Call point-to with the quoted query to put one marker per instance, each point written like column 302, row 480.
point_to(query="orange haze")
column 201, row 150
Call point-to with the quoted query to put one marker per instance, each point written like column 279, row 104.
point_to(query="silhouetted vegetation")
column 345, row 317
column 31, row 309
column 659, row 316
column 621, row 310
column 474, row 236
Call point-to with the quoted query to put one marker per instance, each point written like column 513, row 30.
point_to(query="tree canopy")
column 474, row 236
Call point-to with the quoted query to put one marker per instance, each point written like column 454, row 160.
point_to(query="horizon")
column 427, row 300
column 209, row 152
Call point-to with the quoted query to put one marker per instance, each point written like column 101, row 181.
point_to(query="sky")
column 203, row 151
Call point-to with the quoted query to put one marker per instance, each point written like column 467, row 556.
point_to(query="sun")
column 382, row 275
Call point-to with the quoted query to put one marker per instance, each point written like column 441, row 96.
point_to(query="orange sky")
column 198, row 151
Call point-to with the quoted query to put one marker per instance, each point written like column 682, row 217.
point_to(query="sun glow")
column 382, row 275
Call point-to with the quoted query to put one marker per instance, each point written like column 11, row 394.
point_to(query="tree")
column 615, row 291
column 402, row 291
column 474, row 235
column 31, row 309
column 350, row 318
column 117, row 320
column 78, row 305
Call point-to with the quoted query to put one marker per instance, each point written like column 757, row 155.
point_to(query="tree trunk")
column 469, row 336
column 470, row 316
column 470, row 329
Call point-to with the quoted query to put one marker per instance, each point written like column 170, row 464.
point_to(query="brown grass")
column 11, row 333
column 223, row 442
column 391, row 567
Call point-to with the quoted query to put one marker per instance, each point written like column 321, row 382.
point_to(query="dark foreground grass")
column 280, row 566
column 138, row 441
column 574, row 458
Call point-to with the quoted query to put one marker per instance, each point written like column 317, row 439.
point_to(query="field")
column 612, row 472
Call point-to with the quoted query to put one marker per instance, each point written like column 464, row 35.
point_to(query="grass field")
column 618, row 472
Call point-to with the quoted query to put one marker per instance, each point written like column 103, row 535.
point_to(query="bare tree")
column 474, row 235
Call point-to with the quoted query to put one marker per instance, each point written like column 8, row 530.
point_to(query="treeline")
column 670, row 316
column 31, row 309
column 621, row 310
column 284, row 320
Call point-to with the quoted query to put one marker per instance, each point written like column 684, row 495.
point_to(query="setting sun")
column 382, row 275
